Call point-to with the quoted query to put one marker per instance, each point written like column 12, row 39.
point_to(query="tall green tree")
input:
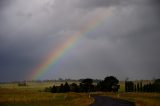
column 61, row 89
column 141, row 87
column 129, row 86
column 108, row 84
column 156, row 85
column 54, row 89
column 74, row 87
column 135, row 88
column 86, row 85
column 138, row 88
column 66, row 87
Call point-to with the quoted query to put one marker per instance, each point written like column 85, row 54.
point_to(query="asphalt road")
column 107, row 101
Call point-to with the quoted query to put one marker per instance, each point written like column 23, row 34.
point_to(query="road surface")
column 108, row 101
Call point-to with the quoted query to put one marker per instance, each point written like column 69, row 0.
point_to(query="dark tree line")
column 86, row 85
column 139, row 87
column 22, row 84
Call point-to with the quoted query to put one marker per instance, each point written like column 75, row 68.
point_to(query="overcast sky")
column 125, row 44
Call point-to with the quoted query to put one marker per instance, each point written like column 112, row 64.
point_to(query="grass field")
column 32, row 85
column 32, row 95
column 14, row 97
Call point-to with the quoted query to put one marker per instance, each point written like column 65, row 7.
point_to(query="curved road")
column 108, row 101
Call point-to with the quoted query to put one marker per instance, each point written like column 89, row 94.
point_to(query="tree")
column 74, row 87
column 148, row 88
column 115, row 88
column 48, row 89
column 138, row 88
column 135, row 88
column 100, row 86
column 156, row 85
column 54, row 89
column 108, row 84
column 141, row 88
column 86, row 85
column 61, row 88
column 129, row 86
column 66, row 87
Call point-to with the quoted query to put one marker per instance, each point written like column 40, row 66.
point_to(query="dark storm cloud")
column 125, row 45
column 155, row 2
column 109, row 3
column 3, row 3
column 100, row 3
column 137, row 38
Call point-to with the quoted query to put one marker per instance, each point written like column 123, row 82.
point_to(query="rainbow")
column 55, row 55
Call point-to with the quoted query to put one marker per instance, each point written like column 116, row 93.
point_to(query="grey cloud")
column 109, row 3
column 99, row 3
column 4, row 3
column 126, row 44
